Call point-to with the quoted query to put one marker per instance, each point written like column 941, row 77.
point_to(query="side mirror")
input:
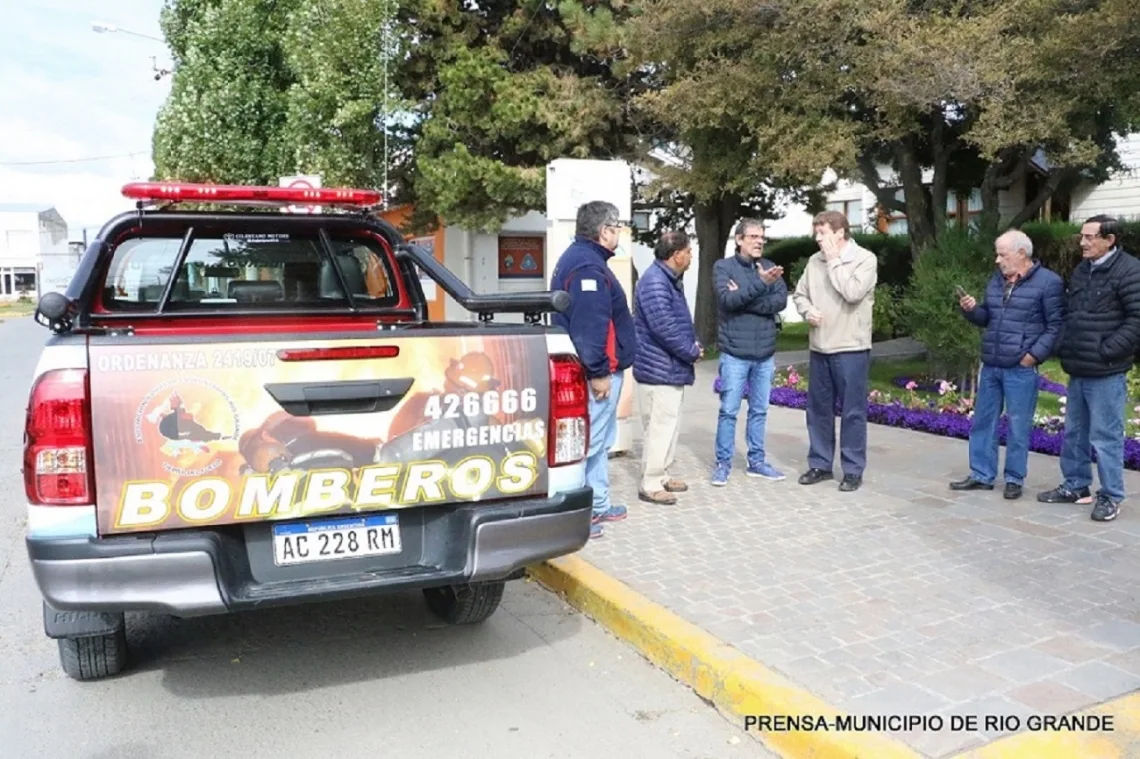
column 54, row 311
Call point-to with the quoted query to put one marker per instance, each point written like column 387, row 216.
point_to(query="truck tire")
column 465, row 605
column 94, row 657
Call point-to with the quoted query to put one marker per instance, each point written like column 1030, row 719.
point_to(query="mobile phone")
column 961, row 291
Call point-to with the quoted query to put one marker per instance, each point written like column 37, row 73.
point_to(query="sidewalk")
column 900, row 598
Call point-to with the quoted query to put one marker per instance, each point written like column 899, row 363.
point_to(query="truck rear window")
column 236, row 271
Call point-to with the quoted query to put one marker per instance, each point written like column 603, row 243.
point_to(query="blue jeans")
column 1015, row 389
column 734, row 372
column 1094, row 417
column 603, row 435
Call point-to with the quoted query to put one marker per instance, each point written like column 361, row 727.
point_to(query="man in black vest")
column 1098, row 346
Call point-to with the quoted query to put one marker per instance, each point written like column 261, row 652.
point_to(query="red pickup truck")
column 244, row 408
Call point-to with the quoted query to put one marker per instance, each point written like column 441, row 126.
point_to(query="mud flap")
column 81, row 624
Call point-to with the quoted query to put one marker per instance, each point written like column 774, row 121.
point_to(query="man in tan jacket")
column 836, row 295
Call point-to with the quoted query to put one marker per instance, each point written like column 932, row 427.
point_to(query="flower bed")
column 928, row 385
column 950, row 415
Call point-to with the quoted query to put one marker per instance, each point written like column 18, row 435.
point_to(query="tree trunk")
column 919, row 221
column 939, row 183
column 991, row 213
column 714, row 225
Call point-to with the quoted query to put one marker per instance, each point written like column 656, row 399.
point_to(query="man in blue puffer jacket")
column 667, row 348
column 601, row 327
column 1022, row 313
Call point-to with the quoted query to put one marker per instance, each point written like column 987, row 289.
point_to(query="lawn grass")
column 793, row 337
column 11, row 309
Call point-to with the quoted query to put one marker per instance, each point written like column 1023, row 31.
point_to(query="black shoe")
column 1105, row 509
column 1012, row 491
column 850, row 483
column 1062, row 494
column 970, row 484
column 814, row 476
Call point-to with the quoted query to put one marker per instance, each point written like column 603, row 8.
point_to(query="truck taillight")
column 569, row 411
column 57, row 440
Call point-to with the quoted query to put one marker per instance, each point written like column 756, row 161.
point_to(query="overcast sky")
column 70, row 94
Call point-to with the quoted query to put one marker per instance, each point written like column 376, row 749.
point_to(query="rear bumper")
column 201, row 572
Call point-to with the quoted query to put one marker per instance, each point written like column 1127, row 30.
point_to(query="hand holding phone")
column 965, row 300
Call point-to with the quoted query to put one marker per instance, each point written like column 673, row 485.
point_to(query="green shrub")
column 796, row 271
column 930, row 305
column 886, row 322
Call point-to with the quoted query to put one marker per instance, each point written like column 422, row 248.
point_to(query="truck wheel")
column 465, row 605
column 94, row 657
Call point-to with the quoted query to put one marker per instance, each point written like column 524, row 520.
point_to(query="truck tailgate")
column 198, row 433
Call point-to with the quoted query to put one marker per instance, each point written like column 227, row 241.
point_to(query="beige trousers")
column 661, row 421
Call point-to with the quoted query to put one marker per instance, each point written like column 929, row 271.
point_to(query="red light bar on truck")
column 221, row 193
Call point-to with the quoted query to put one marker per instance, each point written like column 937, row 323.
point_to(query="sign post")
column 569, row 184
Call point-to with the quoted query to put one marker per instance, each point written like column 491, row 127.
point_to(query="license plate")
column 332, row 539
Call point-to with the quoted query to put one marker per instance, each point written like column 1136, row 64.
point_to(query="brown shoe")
column 659, row 497
column 676, row 486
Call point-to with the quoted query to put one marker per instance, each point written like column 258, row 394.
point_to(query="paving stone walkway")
column 900, row 598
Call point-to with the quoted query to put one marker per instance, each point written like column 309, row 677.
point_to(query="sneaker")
column 1105, row 509
column 596, row 530
column 720, row 474
column 765, row 471
column 1062, row 494
column 613, row 514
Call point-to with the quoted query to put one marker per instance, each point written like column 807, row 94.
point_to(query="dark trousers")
column 838, row 379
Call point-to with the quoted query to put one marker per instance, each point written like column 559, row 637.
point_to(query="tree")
column 971, row 90
column 342, row 54
column 502, row 89
column 262, row 89
column 225, row 118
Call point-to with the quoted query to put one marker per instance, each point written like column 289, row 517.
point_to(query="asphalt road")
column 377, row 678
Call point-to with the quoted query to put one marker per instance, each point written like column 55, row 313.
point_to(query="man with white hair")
column 1022, row 313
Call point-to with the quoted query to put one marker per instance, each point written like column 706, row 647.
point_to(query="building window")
column 852, row 209
column 964, row 210
column 25, row 281
column 641, row 221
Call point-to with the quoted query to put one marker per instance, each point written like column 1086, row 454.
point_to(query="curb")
column 735, row 684
column 739, row 686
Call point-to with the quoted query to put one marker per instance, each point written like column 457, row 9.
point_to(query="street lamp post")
column 104, row 28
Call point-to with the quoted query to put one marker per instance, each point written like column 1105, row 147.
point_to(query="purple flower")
column 949, row 424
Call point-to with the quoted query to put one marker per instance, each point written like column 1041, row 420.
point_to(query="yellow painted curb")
column 1122, row 742
column 738, row 686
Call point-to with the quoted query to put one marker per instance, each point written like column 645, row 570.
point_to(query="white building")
column 34, row 253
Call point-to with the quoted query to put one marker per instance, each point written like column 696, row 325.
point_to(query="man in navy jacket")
column 751, row 292
column 1022, row 313
column 601, row 327
column 667, row 348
